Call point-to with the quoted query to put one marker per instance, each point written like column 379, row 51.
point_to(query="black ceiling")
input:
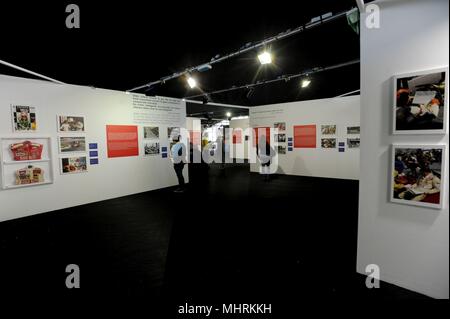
column 121, row 45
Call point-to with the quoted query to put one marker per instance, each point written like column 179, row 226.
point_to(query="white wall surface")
column 316, row 162
column 410, row 244
column 113, row 177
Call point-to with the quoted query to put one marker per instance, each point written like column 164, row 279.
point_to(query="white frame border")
column 86, row 146
column 71, row 132
column 12, row 120
column 76, row 172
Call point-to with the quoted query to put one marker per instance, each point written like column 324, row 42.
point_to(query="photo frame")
column 71, row 123
column 72, row 144
column 24, row 118
column 73, row 165
column 420, row 102
column 417, row 175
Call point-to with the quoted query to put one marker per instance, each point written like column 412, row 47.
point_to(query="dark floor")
column 231, row 238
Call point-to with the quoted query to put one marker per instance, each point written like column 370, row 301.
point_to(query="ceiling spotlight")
column 265, row 58
column 228, row 114
column 191, row 81
column 306, row 83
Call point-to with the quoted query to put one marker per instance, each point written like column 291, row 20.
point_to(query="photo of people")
column 151, row 149
column 151, row 132
column 328, row 129
column 328, row 143
column 24, row 118
column 280, row 138
column 72, row 144
column 173, row 132
column 281, row 149
column 420, row 103
column 71, row 123
column 281, row 126
column 71, row 165
column 416, row 177
column 353, row 142
column 353, row 130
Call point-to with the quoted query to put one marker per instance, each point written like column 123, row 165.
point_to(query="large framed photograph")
column 417, row 175
column 69, row 123
column 73, row 165
column 420, row 102
column 23, row 118
column 72, row 144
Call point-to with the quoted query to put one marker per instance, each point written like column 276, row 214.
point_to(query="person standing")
column 265, row 153
column 177, row 155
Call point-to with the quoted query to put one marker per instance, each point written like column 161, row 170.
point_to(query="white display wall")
column 111, row 177
column 319, row 162
column 410, row 244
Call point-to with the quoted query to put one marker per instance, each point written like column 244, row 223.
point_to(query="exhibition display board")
column 67, row 145
column 403, row 198
column 318, row 138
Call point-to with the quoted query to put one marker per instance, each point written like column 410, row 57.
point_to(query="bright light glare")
column 192, row 83
column 306, row 83
column 228, row 114
column 265, row 58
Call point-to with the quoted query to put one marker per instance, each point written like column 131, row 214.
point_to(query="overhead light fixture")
column 265, row 58
column 228, row 114
column 306, row 83
column 191, row 81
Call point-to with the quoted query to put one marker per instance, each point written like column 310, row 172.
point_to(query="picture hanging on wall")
column 24, row 118
column 69, row 144
column 151, row 132
column 353, row 142
column 67, row 124
column 353, row 130
column 151, row 149
column 420, row 102
column 328, row 129
column 71, row 165
column 173, row 132
column 328, row 143
column 281, row 126
column 280, row 138
column 281, row 149
column 418, row 175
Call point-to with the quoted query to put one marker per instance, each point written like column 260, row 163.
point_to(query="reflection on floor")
column 231, row 237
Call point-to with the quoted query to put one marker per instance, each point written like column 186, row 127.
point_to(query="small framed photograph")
column 328, row 143
column 420, row 102
column 353, row 142
column 71, row 124
column 151, row 148
column 417, row 175
column 73, row 165
column 151, row 132
column 23, row 118
column 72, row 144
column 328, row 129
column 353, row 130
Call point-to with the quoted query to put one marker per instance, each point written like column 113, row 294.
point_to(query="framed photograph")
column 328, row 129
column 328, row 143
column 23, row 118
column 173, row 132
column 417, row 175
column 353, row 130
column 280, row 138
column 68, row 124
column 151, row 149
column 353, row 142
column 151, row 132
column 281, row 149
column 281, row 126
column 73, row 165
column 72, row 144
column 420, row 102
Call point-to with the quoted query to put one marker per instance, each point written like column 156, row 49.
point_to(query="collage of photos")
column 353, row 141
column 151, row 140
column 280, row 137
column 24, row 118
column 328, row 141
column 416, row 175
column 420, row 102
column 73, row 148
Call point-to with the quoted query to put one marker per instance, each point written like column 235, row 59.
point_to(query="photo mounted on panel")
column 72, row 165
column 281, row 149
column 353, row 143
column 151, row 132
column 420, row 102
column 23, row 118
column 69, row 144
column 328, row 143
column 281, row 126
column 173, row 132
column 328, row 129
column 280, row 138
column 417, row 175
column 69, row 123
column 151, row 149
column 353, row 130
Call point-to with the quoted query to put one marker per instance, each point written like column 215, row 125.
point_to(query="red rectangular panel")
column 122, row 140
column 305, row 136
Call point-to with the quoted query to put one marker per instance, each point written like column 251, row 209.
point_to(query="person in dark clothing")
column 177, row 154
column 265, row 153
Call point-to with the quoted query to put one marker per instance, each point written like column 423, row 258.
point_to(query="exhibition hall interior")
column 228, row 161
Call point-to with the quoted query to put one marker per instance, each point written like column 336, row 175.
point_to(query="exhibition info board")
column 318, row 138
column 55, row 150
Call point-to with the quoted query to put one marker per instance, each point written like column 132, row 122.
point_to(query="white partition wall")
column 410, row 244
column 316, row 161
column 111, row 177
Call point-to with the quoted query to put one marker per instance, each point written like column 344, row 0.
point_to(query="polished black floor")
column 230, row 238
